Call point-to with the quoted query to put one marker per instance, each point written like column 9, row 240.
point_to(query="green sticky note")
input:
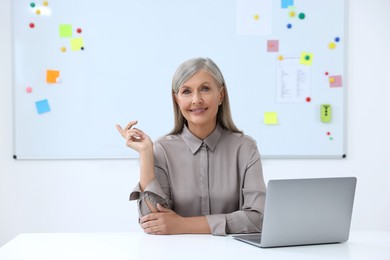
column 306, row 58
column 270, row 118
column 76, row 44
column 66, row 30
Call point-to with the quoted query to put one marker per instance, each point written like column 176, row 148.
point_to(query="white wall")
column 92, row 195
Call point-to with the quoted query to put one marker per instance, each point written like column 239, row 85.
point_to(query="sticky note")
column 52, row 75
column 42, row 106
column 76, row 44
column 272, row 45
column 65, row 30
column 287, row 3
column 335, row 81
column 270, row 118
column 306, row 58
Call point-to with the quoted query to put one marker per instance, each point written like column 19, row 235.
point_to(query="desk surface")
column 117, row 246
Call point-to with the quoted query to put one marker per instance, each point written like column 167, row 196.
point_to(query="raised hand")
column 135, row 138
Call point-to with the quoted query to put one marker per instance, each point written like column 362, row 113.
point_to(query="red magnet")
column 79, row 30
column 308, row 99
column 32, row 25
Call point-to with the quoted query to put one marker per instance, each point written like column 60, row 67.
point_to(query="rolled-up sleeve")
column 153, row 193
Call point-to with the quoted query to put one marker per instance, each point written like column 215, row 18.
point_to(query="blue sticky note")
column 42, row 106
column 287, row 3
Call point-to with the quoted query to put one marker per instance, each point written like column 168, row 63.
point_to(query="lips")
column 198, row 110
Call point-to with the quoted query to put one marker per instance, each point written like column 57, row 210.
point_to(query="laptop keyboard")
column 252, row 238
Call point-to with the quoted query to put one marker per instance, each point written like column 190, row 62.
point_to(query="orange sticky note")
column 52, row 75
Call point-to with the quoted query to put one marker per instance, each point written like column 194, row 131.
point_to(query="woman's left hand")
column 164, row 222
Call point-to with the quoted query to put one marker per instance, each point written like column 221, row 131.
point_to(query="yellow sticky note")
column 306, row 58
column 52, row 75
column 65, row 30
column 76, row 44
column 270, row 118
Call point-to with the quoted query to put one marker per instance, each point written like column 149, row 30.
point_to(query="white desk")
column 129, row 246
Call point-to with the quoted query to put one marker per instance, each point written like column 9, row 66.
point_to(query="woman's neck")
column 202, row 131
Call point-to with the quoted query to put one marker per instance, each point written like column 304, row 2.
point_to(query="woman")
column 206, row 175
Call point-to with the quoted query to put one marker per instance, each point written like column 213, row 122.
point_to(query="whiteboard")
column 80, row 67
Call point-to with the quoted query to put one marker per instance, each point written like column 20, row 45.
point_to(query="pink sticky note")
column 335, row 81
column 272, row 45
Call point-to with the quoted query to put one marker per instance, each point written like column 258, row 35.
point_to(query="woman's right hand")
column 135, row 138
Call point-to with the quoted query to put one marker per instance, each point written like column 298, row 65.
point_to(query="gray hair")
column 186, row 70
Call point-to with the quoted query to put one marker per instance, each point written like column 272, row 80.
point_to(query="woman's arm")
column 249, row 216
column 167, row 222
column 140, row 142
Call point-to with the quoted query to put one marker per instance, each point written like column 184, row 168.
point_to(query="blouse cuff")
column 217, row 224
column 152, row 192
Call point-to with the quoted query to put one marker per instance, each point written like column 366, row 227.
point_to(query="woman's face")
column 198, row 99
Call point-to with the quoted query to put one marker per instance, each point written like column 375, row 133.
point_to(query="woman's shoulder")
column 236, row 138
column 168, row 139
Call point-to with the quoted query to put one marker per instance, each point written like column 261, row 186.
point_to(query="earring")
column 220, row 103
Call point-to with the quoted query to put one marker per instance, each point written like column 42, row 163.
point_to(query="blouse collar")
column 194, row 143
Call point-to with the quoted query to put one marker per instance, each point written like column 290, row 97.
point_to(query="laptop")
column 305, row 212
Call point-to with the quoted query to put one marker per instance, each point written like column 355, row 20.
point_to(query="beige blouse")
column 220, row 177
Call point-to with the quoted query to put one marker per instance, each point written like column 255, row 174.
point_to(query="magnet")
column 45, row 3
column 301, row 16
column 332, row 80
column 38, row 12
column 289, row 26
column 332, row 45
column 280, row 57
column 337, row 39
column 326, row 113
column 63, row 49
column 32, row 25
column 79, row 30
column 32, row 4
column 29, row 90
column 308, row 99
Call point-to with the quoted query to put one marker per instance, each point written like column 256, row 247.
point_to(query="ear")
column 222, row 94
column 174, row 96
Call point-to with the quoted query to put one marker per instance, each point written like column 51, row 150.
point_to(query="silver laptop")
column 305, row 212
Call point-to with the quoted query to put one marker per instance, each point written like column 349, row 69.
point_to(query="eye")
column 205, row 88
column 185, row 92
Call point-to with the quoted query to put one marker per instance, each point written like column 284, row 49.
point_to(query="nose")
column 197, row 98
